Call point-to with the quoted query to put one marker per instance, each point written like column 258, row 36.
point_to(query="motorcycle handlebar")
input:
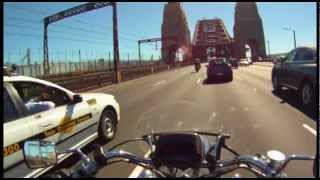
column 103, row 158
column 254, row 164
column 225, row 135
column 264, row 168
column 259, row 166
column 290, row 158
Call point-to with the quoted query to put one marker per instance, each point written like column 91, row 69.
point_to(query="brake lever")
column 99, row 155
column 87, row 168
column 214, row 153
column 150, row 141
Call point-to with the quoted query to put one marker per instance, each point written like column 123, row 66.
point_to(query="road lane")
column 245, row 107
column 263, row 82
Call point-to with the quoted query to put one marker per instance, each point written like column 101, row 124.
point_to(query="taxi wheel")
column 307, row 95
column 230, row 77
column 107, row 125
column 275, row 83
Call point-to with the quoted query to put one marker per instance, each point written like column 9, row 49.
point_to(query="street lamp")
column 294, row 35
column 268, row 47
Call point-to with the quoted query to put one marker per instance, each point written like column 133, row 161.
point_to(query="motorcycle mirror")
column 39, row 154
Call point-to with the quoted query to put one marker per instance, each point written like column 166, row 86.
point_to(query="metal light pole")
column 294, row 35
column 294, row 38
column 46, row 65
column 139, row 44
column 80, row 59
column 268, row 47
column 116, row 44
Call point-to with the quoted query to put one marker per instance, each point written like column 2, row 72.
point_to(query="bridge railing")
column 63, row 68
column 86, row 81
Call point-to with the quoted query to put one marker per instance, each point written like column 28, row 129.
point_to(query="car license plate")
column 219, row 74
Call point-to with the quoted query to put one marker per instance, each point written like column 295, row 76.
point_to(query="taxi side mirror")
column 76, row 99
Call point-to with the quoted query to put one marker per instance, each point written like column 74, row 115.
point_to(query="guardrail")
column 86, row 81
column 69, row 74
column 267, row 60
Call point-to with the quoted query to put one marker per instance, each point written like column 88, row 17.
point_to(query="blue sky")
column 91, row 32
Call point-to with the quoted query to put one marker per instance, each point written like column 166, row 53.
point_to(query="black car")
column 297, row 71
column 219, row 68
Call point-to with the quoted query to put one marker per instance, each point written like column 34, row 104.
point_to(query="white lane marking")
column 232, row 108
column 245, row 108
column 179, row 124
column 314, row 132
column 160, row 82
column 255, row 89
column 213, row 115
column 62, row 157
column 198, row 81
column 135, row 173
column 139, row 79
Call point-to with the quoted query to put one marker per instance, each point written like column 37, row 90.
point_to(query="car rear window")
column 217, row 61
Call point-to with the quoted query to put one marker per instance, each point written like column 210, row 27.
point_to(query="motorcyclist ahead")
column 197, row 64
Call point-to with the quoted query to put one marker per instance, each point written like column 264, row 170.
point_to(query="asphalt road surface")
column 246, row 107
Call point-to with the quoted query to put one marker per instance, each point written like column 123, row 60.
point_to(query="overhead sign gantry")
column 75, row 11
column 155, row 40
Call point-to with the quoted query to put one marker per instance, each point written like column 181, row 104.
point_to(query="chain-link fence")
column 35, row 70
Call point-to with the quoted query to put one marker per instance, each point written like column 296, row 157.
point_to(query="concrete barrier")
column 85, row 81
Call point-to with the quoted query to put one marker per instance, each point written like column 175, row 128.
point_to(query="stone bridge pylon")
column 248, row 29
column 175, row 25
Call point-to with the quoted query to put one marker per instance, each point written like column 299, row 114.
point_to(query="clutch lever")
column 99, row 155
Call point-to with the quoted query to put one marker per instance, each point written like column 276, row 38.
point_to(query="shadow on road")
column 215, row 81
column 292, row 98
